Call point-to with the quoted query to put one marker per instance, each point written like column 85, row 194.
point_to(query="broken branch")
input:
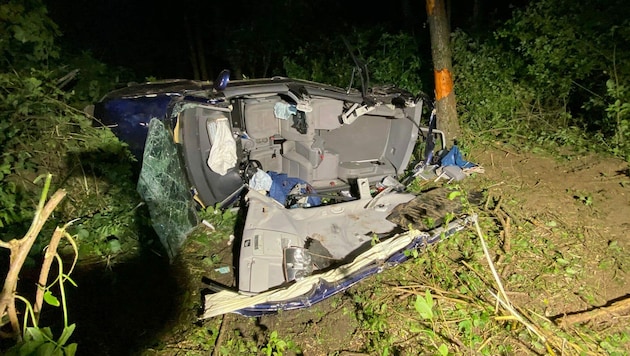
column 617, row 308
column 19, row 251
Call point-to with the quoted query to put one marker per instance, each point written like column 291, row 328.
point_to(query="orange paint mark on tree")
column 443, row 83
column 430, row 7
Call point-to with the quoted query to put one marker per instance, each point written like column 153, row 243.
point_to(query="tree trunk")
column 192, row 53
column 442, row 68
column 201, row 53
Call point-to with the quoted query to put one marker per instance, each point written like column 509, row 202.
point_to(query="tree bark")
column 201, row 53
column 442, row 68
column 192, row 53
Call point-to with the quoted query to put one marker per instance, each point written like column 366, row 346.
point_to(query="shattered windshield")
column 163, row 187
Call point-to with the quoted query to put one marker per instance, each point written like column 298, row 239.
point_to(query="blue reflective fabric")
column 454, row 158
column 282, row 185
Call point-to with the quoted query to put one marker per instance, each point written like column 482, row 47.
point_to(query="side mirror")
column 222, row 80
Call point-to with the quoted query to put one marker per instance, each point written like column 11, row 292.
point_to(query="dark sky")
column 152, row 37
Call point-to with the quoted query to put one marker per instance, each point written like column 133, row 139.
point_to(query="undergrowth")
column 92, row 165
column 553, row 75
column 444, row 301
column 43, row 130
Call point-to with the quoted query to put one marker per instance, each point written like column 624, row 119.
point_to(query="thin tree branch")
column 51, row 251
column 20, row 249
column 615, row 309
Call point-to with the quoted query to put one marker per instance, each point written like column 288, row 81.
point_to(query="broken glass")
column 163, row 187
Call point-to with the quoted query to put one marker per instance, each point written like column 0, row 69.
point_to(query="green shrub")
column 555, row 72
column 41, row 131
column 390, row 58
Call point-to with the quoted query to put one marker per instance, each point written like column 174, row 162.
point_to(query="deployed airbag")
column 223, row 152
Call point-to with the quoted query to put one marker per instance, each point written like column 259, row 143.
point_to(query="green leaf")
column 35, row 334
column 443, row 350
column 454, row 194
column 571, row 271
column 71, row 349
column 65, row 335
column 27, row 348
column 48, row 349
column 114, row 246
column 47, row 333
column 424, row 306
column 562, row 261
column 83, row 234
column 465, row 326
column 19, row 34
column 50, row 299
column 33, row 83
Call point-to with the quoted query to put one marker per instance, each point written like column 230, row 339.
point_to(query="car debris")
column 314, row 169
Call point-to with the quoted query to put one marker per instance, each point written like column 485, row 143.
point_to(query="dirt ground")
column 589, row 196
column 578, row 205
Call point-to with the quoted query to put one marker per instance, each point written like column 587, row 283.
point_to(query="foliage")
column 390, row 58
column 40, row 131
column 222, row 220
column 616, row 104
column 27, row 34
column 371, row 314
column 35, row 339
column 277, row 346
column 43, row 133
column 556, row 72
column 40, row 340
column 94, row 78
column 489, row 98
column 236, row 345
column 220, row 225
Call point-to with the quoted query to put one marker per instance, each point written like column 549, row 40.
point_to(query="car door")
column 211, row 154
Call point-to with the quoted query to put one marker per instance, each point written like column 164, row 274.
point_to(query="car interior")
column 340, row 149
column 326, row 153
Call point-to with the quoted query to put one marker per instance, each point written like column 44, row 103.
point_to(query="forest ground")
column 557, row 226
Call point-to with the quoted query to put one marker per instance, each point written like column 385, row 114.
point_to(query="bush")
column 41, row 132
column 558, row 67
column 390, row 58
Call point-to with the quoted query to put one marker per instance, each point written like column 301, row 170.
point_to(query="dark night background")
column 154, row 38
column 547, row 80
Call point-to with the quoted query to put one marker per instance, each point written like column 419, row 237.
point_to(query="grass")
column 444, row 302
column 448, row 301
column 456, row 312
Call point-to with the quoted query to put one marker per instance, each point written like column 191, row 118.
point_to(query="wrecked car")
column 314, row 169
